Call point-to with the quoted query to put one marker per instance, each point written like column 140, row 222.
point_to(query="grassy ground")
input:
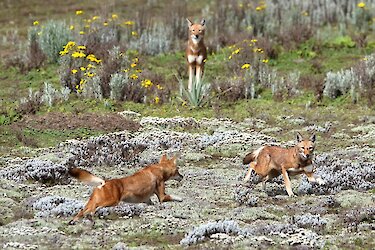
column 17, row 16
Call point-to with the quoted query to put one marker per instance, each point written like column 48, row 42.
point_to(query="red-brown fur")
column 136, row 188
column 196, row 52
column 271, row 161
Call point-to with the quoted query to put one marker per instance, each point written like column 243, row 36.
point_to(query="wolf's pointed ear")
column 299, row 137
column 313, row 138
column 203, row 22
column 163, row 158
column 189, row 22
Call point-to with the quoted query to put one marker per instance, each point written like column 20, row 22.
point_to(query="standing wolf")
column 196, row 52
column 271, row 161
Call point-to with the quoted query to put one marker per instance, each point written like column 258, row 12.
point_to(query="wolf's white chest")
column 197, row 59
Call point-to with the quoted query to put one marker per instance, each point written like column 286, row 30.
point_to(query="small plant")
column 358, row 81
column 155, row 40
column 199, row 94
column 52, row 36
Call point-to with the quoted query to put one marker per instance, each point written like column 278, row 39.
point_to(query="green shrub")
column 198, row 96
column 52, row 37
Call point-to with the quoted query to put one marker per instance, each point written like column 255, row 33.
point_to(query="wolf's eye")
column 193, row 30
column 311, row 148
column 200, row 30
column 302, row 148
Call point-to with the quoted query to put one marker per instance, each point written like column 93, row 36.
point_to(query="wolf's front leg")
column 160, row 192
column 315, row 178
column 191, row 75
column 287, row 182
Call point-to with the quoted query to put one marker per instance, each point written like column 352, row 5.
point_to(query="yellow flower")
column 114, row 16
column 361, row 5
column 245, row 66
column 253, row 40
column 133, row 65
column 126, row 70
column 135, row 59
column 105, row 24
column 260, row 7
column 157, row 99
column 89, row 66
column 81, row 32
column 134, row 77
column 138, row 70
column 236, row 51
column 92, row 58
column 74, row 71
column 67, row 48
column 159, row 87
column 87, row 26
column 78, row 54
column 71, row 27
column 146, row 83
column 79, row 12
column 230, row 57
column 82, row 47
column 95, row 17
column 305, row 13
column 36, row 23
column 134, row 33
column 70, row 44
column 129, row 23
column 265, row 60
column 82, row 68
column 90, row 74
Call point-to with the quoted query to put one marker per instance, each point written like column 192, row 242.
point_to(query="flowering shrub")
column 100, row 66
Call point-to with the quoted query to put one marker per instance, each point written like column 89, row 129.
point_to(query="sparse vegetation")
column 100, row 86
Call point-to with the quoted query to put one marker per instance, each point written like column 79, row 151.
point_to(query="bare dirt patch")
column 61, row 121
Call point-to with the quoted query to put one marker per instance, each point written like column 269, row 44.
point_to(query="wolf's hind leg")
column 248, row 175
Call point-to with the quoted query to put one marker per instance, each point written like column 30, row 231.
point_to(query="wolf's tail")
column 86, row 177
column 252, row 156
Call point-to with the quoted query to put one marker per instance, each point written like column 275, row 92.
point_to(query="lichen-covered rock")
column 304, row 237
column 37, row 170
column 204, row 231
column 57, row 206
column 120, row 246
column 308, row 220
column 170, row 123
column 244, row 195
column 340, row 174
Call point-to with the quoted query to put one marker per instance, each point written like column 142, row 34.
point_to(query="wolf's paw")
column 176, row 198
column 320, row 181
